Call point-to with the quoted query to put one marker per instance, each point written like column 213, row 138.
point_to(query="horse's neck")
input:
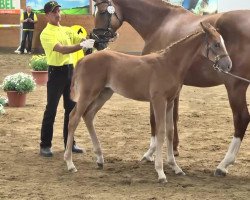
column 182, row 54
column 144, row 16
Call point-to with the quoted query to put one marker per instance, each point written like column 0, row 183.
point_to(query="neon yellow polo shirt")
column 83, row 34
column 52, row 35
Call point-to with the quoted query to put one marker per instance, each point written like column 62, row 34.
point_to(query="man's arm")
column 33, row 21
column 67, row 49
column 22, row 18
column 86, row 44
column 35, row 18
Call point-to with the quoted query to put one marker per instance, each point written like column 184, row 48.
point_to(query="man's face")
column 54, row 16
column 28, row 9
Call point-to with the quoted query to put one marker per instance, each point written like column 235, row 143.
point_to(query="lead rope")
column 235, row 76
column 215, row 66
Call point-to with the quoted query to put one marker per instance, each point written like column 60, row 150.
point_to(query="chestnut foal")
column 156, row 78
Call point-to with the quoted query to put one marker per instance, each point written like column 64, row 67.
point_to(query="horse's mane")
column 168, row 4
column 178, row 41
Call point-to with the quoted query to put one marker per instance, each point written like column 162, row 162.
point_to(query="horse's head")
column 107, row 21
column 215, row 49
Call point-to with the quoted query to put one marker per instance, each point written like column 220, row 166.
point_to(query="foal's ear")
column 205, row 26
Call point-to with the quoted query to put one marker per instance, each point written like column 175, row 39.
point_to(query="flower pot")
column 41, row 77
column 16, row 99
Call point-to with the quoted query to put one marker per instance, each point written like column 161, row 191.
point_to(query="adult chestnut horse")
column 156, row 78
column 159, row 24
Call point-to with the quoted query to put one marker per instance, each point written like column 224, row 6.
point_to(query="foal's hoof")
column 99, row 165
column 73, row 170
column 181, row 173
column 162, row 181
column 220, row 173
column 147, row 159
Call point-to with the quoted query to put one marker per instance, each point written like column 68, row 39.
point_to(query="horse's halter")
column 217, row 57
column 103, row 35
column 110, row 11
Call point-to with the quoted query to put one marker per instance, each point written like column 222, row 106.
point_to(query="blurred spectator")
column 28, row 18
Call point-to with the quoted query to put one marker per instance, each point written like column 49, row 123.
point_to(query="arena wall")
column 128, row 41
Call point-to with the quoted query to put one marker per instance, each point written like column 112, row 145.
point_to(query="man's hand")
column 87, row 44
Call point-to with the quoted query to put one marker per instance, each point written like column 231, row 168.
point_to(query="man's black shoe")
column 76, row 149
column 46, row 152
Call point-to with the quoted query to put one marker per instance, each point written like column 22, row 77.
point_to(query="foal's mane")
column 179, row 41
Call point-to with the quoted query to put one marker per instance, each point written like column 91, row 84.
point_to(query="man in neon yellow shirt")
column 28, row 18
column 59, row 42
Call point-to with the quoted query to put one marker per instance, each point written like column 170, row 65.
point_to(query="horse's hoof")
column 220, row 173
column 176, row 153
column 162, row 181
column 72, row 170
column 99, row 165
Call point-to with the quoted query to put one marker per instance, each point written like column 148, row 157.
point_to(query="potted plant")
column 17, row 86
column 39, row 69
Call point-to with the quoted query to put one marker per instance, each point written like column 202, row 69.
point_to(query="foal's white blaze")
column 230, row 155
column 223, row 43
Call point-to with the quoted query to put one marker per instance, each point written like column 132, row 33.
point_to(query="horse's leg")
column 237, row 99
column 88, row 117
column 170, row 135
column 74, row 119
column 148, row 156
column 159, row 106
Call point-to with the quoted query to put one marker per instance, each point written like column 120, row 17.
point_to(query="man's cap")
column 50, row 6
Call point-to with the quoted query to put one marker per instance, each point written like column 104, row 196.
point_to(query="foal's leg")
column 159, row 106
column 176, row 118
column 74, row 119
column 237, row 99
column 148, row 156
column 170, row 134
column 88, row 117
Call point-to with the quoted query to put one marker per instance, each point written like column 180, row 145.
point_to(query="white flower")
column 19, row 82
column 2, row 111
column 3, row 100
column 111, row 9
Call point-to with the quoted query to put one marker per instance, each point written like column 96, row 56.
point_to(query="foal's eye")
column 217, row 45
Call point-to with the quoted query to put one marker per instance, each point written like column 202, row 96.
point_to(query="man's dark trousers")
column 59, row 80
